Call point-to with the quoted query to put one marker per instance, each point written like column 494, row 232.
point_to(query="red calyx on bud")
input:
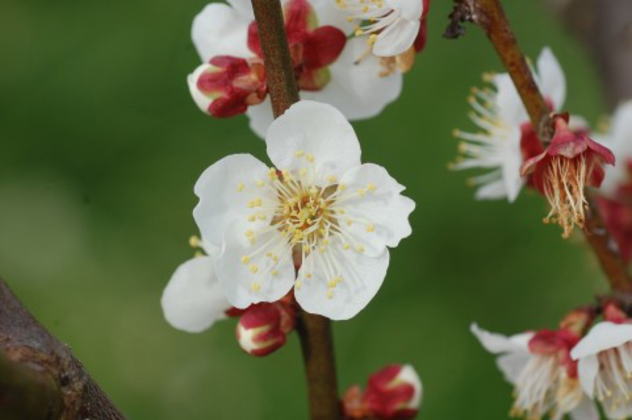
column 612, row 312
column 558, row 343
column 394, row 392
column 571, row 162
column 232, row 84
column 578, row 320
column 263, row 327
column 312, row 48
column 617, row 215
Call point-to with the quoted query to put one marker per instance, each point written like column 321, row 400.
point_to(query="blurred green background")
column 101, row 144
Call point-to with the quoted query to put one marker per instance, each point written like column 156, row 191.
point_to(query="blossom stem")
column 314, row 331
column 490, row 16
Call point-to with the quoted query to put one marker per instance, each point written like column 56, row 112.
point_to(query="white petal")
column 587, row 369
column 492, row 190
column 603, row 336
column 409, row 375
column 396, row 38
column 260, row 117
column 315, row 129
column 512, row 160
column 225, row 189
column 356, row 89
column 586, row 410
column 329, row 14
column 410, row 9
column 193, row 299
column 511, row 365
column 261, row 277
column 220, row 30
column 619, row 139
column 361, row 276
column 508, row 102
column 620, row 411
column 243, row 7
column 498, row 343
column 201, row 100
column 551, row 78
column 375, row 213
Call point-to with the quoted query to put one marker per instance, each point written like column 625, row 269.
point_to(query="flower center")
column 564, row 184
column 614, row 381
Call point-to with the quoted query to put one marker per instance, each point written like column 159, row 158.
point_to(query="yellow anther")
column 372, row 39
column 370, row 228
column 341, row 211
column 456, row 133
column 342, row 187
column 371, row 187
column 275, row 272
column 332, row 283
column 299, row 153
column 249, row 233
column 261, row 216
column 245, row 259
column 361, row 192
column 298, row 284
column 330, row 294
column 195, row 242
column 331, row 179
column 260, row 183
column 360, row 249
column 252, row 218
column 272, row 173
column 302, row 171
column 359, row 32
column 257, row 202
column 198, row 254
column 309, row 275
column 253, row 268
column 346, row 246
column 309, row 157
column 240, row 187
column 349, row 222
column 255, row 287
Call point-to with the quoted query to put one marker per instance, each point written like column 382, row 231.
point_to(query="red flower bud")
column 571, row 162
column 393, row 393
column 263, row 327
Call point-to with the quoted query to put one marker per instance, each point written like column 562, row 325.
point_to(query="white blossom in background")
column 193, row 299
column 605, row 367
column 619, row 140
column 541, row 379
column 355, row 88
column 390, row 25
column 499, row 113
column 318, row 202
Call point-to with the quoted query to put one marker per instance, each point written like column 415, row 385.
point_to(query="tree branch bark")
column 39, row 376
column 489, row 15
column 314, row 331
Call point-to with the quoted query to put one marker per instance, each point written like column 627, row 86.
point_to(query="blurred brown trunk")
column 605, row 29
column 39, row 377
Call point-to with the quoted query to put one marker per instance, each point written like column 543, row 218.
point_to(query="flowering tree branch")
column 39, row 376
column 489, row 15
column 314, row 330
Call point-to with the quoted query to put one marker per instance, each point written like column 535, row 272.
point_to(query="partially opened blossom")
column 193, row 299
column 506, row 137
column 539, row 366
column 393, row 29
column 318, row 222
column 393, row 392
column 231, row 79
column 615, row 200
column 569, row 164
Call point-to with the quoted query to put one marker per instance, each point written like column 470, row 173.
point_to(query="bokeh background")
column 100, row 145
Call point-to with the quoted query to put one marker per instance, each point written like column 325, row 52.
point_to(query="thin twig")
column 489, row 15
column 314, row 331
column 39, row 376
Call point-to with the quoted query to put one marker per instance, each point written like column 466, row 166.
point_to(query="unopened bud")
column 262, row 328
column 394, row 393
column 578, row 320
column 612, row 312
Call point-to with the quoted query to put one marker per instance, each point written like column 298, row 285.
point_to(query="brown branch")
column 489, row 15
column 314, row 331
column 39, row 376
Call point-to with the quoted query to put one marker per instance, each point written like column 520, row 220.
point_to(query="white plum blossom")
column 319, row 205
column 619, row 140
column 503, row 121
column 355, row 88
column 605, row 367
column 391, row 25
column 193, row 299
column 541, row 381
